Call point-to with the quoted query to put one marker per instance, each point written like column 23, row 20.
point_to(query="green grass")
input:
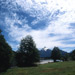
column 58, row 68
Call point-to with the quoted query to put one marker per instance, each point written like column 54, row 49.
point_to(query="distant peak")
column 45, row 48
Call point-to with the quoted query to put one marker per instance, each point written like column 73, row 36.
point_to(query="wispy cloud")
column 56, row 17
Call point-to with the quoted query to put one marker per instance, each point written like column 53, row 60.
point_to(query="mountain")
column 46, row 53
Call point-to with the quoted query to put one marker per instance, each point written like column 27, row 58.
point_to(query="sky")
column 50, row 22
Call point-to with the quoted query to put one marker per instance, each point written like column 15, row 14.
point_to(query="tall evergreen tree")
column 27, row 53
column 5, row 54
column 55, row 54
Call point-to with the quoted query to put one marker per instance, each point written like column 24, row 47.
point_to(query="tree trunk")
column 54, row 60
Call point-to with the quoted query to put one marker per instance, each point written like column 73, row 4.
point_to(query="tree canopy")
column 27, row 53
column 73, row 55
column 55, row 54
column 5, row 54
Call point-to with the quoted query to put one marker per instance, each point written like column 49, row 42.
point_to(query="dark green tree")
column 73, row 55
column 13, row 59
column 5, row 54
column 55, row 54
column 65, row 57
column 27, row 53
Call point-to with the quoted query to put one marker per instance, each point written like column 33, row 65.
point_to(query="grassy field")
column 58, row 68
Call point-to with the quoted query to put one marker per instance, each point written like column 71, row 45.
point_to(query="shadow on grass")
column 28, row 65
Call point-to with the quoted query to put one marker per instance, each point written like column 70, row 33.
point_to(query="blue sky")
column 50, row 22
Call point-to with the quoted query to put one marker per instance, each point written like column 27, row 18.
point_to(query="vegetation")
column 55, row 54
column 65, row 57
column 57, row 68
column 5, row 54
column 27, row 54
column 73, row 55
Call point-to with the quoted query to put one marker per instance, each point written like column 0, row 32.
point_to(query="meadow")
column 58, row 68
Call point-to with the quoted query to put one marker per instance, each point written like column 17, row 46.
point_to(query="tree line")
column 26, row 55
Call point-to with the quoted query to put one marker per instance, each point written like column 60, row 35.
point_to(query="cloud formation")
column 50, row 22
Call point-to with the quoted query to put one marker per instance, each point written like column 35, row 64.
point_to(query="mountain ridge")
column 46, row 53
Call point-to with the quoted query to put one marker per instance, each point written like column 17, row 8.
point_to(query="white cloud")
column 46, row 9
